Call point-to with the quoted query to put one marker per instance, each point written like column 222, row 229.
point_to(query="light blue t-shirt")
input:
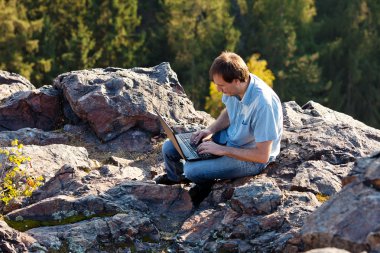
column 256, row 118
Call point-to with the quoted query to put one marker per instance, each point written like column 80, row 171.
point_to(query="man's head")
column 230, row 74
column 229, row 66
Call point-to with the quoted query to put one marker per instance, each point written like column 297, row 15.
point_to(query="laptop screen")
column 169, row 132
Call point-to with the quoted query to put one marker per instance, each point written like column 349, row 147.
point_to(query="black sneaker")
column 199, row 192
column 163, row 179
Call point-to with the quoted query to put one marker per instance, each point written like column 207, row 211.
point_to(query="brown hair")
column 230, row 66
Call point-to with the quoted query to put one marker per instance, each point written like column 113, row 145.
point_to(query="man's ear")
column 236, row 82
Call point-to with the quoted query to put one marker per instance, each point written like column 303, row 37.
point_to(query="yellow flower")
column 30, row 182
column 14, row 142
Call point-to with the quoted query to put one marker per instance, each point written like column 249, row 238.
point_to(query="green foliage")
column 214, row 103
column 349, row 38
column 84, row 34
column 285, row 40
column 15, row 179
column 259, row 68
column 16, row 40
column 324, row 51
column 197, row 32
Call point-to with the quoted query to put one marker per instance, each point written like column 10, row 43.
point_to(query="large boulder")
column 123, row 216
column 114, row 100
column 33, row 136
column 47, row 160
column 111, row 234
column 39, row 108
column 114, row 207
column 11, row 83
column 350, row 219
column 132, row 140
column 12, row 240
column 318, row 150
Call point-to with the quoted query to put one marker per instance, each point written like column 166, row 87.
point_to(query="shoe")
column 186, row 181
column 163, row 179
column 199, row 192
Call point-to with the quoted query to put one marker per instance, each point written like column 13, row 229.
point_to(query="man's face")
column 229, row 89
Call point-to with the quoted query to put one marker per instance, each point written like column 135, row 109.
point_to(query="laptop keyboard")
column 185, row 137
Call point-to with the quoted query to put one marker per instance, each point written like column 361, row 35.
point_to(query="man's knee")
column 168, row 147
column 192, row 171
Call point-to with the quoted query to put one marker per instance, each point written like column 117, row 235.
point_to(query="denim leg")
column 172, row 161
column 204, row 171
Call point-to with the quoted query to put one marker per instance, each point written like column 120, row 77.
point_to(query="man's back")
column 257, row 117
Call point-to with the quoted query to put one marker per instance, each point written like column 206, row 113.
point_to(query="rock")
column 297, row 206
column 115, row 100
column 66, row 181
column 11, row 83
column 39, row 108
column 110, row 234
column 61, row 209
column 318, row 177
column 372, row 174
column 47, row 160
column 133, row 140
column 121, row 210
column 349, row 220
column 13, row 241
column 79, row 182
column 314, row 137
column 32, row 136
column 197, row 229
column 327, row 250
column 260, row 196
column 130, row 173
column 169, row 206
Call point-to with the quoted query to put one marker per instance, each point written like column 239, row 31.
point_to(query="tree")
column 16, row 42
column 197, row 32
column 259, row 68
column 84, row 34
column 154, row 31
column 348, row 38
column 114, row 26
column 281, row 31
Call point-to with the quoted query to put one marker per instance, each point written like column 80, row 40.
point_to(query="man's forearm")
column 249, row 155
column 222, row 122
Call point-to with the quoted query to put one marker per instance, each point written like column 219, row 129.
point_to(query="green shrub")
column 16, row 182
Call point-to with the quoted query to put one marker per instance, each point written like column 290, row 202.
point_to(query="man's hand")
column 211, row 147
column 201, row 135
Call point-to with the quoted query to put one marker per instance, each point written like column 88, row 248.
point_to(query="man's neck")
column 244, row 87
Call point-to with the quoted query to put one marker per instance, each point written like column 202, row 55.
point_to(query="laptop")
column 182, row 143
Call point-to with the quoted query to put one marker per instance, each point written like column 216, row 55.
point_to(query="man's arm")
column 258, row 154
column 222, row 122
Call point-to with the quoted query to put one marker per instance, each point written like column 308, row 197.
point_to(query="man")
column 251, row 126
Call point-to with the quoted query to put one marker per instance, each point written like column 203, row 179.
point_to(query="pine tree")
column 350, row 55
column 84, row 34
column 197, row 32
column 114, row 26
column 281, row 31
column 17, row 45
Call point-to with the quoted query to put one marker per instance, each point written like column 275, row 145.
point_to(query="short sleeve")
column 265, row 124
